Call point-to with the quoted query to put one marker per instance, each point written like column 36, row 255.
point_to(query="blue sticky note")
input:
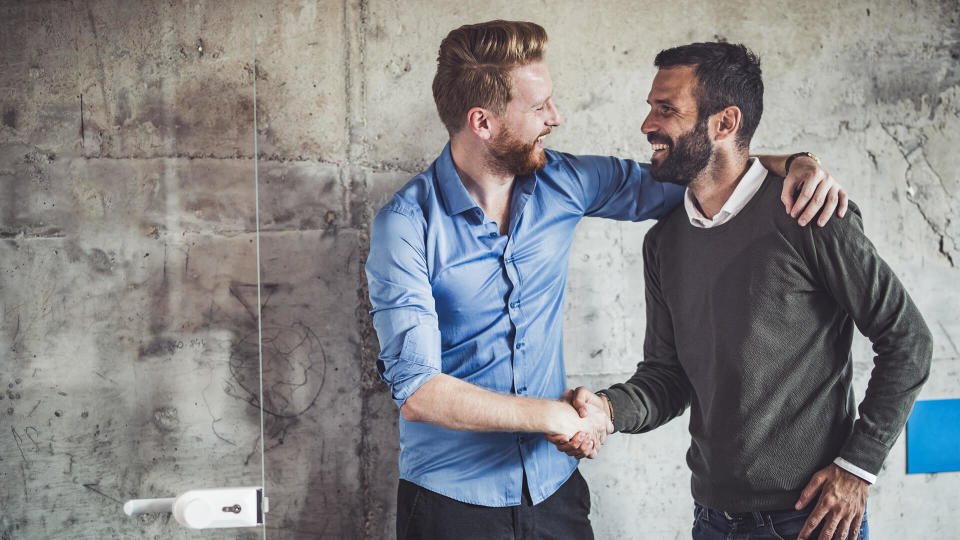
column 933, row 436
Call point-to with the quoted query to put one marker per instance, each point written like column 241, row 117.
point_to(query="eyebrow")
column 660, row 102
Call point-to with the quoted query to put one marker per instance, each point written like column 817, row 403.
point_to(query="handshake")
column 581, row 429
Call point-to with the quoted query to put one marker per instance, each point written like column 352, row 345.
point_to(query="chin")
column 539, row 159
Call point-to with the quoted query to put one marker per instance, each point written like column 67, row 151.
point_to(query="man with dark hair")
column 750, row 320
column 467, row 269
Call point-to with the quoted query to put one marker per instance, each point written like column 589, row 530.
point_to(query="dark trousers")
column 710, row 524
column 424, row 514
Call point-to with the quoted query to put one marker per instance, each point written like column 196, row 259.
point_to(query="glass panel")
column 128, row 285
column 311, row 244
column 330, row 425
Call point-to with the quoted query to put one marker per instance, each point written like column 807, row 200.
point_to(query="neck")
column 491, row 189
column 486, row 185
column 716, row 182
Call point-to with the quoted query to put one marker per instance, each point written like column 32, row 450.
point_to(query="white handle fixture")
column 208, row 508
column 147, row 506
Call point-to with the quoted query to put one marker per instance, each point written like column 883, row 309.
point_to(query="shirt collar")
column 457, row 200
column 454, row 194
column 746, row 188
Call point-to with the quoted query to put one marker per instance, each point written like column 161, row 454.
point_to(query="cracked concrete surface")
column 129, row 358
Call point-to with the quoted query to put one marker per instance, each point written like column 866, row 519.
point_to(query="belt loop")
column 758, row 518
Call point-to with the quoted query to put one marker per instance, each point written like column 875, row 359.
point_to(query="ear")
column 728, row 123
column 479, row 122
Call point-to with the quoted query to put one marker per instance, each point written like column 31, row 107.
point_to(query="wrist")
column 802, row 156
column 561, row 419
column 607, row 406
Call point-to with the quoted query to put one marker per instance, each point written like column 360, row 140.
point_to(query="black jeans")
column 427, row 515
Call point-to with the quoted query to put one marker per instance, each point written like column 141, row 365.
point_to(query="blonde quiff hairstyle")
column 474, row 64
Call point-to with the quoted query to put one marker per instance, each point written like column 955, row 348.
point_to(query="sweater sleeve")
column 659, row 390
column 867, row 289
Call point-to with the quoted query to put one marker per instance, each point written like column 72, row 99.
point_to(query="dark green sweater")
column 750, row 324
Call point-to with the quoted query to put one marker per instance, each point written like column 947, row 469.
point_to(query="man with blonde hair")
column 467, row 269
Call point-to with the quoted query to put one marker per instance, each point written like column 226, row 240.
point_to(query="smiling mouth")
column 658, row 148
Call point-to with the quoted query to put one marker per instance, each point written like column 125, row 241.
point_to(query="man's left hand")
column 843, row 497
column 813, row 188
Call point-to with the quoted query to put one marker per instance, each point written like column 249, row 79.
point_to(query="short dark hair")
column 727, row 74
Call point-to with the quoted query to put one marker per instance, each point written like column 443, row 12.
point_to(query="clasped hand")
column 593, row 427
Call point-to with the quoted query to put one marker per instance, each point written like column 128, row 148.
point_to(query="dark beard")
column 686, row 157
column 512, row 156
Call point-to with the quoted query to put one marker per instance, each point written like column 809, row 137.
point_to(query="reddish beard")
column 512, row 156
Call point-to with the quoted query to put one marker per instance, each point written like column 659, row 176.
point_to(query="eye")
column 541, row 107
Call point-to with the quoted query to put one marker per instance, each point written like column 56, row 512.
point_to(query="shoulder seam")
column 398, row 206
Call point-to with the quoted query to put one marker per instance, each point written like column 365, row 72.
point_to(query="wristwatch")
column 786, row 166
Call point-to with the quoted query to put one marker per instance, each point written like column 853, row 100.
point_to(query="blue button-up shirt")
column 452, row 295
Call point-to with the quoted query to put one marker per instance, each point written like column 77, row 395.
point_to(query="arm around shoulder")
column 620, row 189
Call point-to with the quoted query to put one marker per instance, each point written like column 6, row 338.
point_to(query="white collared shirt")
column 748, row 186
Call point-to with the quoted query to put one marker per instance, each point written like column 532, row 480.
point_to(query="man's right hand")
column 594, row 412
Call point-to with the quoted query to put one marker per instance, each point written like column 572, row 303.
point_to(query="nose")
column 555, row 118
column 648, row 125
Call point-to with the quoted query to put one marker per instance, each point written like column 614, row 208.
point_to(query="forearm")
column 451, row 403
column 902, row 366
column 777, row 164
column 649, row 399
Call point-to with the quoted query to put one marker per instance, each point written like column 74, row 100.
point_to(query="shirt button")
column 514, row 305
column 519, row 345
column 493, row 235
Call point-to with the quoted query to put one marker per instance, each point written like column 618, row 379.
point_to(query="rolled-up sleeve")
column 403, row 311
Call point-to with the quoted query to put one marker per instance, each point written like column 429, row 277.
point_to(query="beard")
column 686, row 156
column 513, row 156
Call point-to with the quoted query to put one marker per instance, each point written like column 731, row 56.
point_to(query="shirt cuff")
column 419, row 360
column 854, row 470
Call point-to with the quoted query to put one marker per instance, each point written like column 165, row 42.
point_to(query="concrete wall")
column 128, row 280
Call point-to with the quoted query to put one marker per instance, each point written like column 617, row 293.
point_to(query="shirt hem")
column 505, row 504
column 751, row 503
